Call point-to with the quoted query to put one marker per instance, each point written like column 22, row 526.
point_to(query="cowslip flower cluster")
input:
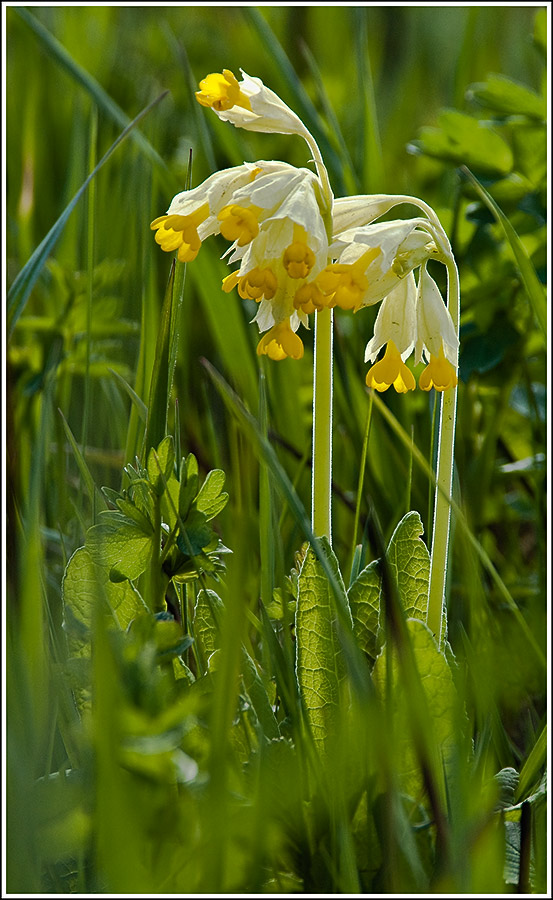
column 297, row 249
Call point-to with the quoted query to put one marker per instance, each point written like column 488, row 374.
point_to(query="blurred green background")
column 367, row 81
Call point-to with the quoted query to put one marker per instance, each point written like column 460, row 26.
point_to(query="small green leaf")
column 507, row 97
column 188, row 484
column 132, row 512
column 210, row 500
column 364, row 600
column 464, row 140
column 197, row 535
column 409, row 561
column 160, row 464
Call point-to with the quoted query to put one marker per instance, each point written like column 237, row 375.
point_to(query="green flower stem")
column 444, row 476
column 322, row 426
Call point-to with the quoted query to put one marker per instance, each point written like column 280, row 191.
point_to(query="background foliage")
column 398, row 98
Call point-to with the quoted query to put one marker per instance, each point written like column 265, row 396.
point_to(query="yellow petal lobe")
column 438, row 374
column 391, row 370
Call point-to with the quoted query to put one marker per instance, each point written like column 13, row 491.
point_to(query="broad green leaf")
column 364, row 601
column 319, row 661
column 117, row 543
column 441, row 699
column 409, row 561
column 464, row 140
column 503, row 95
column 84, row 585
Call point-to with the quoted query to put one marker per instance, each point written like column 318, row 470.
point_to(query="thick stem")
column 322, row 426
column 444, row 476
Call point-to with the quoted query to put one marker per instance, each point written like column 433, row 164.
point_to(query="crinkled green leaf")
column 257, row 693
column 464, row 140
column 507, row 97
column 364, row 601
column 120, row 544
column 409, row 561
column 208, row 608
column 319, row 661
column 442, row 702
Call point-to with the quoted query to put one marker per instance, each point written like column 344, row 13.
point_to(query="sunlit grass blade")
column 58, row 52
column 266, row 538
column 27, row 277
column 530, row 280
column 156, row 424
column 139, row 404
column 532, row 766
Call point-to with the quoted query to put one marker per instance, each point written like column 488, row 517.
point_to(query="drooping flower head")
column 298, row 250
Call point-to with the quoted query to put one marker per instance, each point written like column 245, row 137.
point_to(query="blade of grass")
column 371, row 163
column 88, row 480
column 532, row 766
column 156, row 424
column 530, row 280
column 139, row 404
column 27, row 277
column 104, row 102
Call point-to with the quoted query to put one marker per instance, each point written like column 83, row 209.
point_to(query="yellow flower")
column 221, row 92
column 271, row 214
column 280, row 342
column 248, row 104
column 391, row 370
column 439, row 374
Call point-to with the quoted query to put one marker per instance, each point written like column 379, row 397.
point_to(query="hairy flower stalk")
column 298, row 251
